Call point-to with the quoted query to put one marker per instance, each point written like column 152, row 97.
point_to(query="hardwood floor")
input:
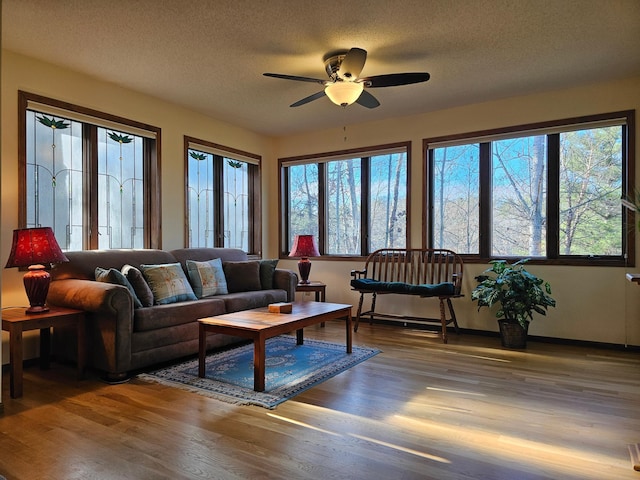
column 420, row 409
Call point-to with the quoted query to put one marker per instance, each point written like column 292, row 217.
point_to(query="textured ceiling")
column 209, row 56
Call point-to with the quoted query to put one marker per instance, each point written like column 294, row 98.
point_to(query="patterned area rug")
column 290, row 370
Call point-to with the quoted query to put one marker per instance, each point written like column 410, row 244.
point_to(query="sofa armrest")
column 109, row 310
column 90, row 296
column 286, row 280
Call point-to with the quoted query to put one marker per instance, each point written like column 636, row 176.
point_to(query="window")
column 223, row 208
column 88, row 175
column 353, row 202
column 546, row 191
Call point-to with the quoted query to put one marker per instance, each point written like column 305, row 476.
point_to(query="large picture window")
column 222, row 191
column 91, row 177
column 353, row 202
column 547, row 191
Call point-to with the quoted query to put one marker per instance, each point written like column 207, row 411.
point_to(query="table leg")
column 45, row 348
column 300, row 336
column 15, row 349
column 259, row 364
column 82, row 346
column 349, row 333
column 202, row 349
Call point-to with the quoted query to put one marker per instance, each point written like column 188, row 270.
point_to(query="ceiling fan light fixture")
column 344, row 93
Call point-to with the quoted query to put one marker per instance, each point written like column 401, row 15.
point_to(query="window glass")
column 552, row 193
column 519, row 192
column 343, row 207
column 303, row 200
column 54, row 183
column 590, row 192
column 353, row 204
column 455, row 198
column 120, row 190
column 219, row 208
column 388, row 204
column 236, row 204
column 201, row 199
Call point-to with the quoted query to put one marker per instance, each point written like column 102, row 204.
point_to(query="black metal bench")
column 427, row 273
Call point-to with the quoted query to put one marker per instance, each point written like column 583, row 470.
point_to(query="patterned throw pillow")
column 267, row 269
column 168, row 283
column 207, row 278
column 139, row 284
column 114, row 276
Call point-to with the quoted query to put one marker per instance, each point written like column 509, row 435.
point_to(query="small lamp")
column 304, row 246
column 33, row 247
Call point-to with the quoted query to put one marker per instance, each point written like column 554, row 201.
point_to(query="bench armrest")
column 355, row 274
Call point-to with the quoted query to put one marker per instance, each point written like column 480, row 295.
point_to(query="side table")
column 15, row 321
column 319, row 288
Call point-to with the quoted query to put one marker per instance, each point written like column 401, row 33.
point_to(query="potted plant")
column 519, row 295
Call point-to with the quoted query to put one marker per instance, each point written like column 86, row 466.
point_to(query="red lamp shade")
column 304, row 246
column 34, row 247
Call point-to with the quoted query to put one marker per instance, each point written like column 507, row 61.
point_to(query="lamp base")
column 37, row 309
column 36, row 284
column 304, row 267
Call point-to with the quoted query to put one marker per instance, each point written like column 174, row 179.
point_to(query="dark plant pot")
column 512, row 334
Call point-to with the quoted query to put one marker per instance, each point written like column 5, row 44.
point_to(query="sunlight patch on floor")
column 537, row 454
column 376, row 424
column 463, row 392
column 402, row 449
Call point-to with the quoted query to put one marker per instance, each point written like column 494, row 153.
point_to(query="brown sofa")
column 121, row 338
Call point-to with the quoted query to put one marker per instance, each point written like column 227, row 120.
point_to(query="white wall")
column 593, row 303
column 24, row 73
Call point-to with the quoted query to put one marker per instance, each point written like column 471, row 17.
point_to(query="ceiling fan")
column 345, row 86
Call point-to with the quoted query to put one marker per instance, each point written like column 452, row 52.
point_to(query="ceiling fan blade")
column 295, row 77
column 367, row 100
column 352, row 64
column 308, row 99
column 395, row 79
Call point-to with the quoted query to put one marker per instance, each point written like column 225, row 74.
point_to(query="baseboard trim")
column 488, row 333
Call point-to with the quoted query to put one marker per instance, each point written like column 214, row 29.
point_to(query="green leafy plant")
column 518, row 292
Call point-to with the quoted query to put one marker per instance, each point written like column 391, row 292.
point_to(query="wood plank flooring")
column 418, row 410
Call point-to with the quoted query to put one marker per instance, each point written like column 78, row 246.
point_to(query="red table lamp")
column 304, row 246
column 34, row 247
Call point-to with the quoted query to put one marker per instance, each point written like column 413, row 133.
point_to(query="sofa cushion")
column 168, row 283
column 424, row 290
column 139, row 284
column 235, row 302
column 114, row 276
column 169, row 315
column 242, row 276
column 267, row 269
column 207, row 278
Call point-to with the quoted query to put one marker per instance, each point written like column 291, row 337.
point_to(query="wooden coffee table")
column 259, row 324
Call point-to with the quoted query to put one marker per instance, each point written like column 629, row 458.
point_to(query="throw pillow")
column 207, row 278
column 168, row 283
column 242, row 276
column 139, row 284
column 267, row 269
column 114, row 276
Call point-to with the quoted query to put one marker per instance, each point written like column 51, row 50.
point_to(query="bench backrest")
column 415, row 266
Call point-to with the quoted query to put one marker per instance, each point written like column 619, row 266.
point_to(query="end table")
column 319, row 288
column 15, row 321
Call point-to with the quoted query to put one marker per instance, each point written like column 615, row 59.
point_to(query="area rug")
column 290, row 370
